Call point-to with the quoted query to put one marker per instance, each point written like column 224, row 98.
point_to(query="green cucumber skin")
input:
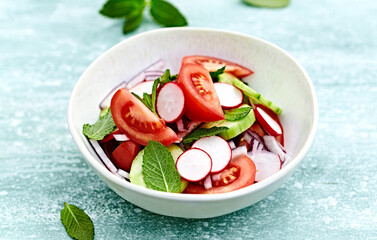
column 256, row 96
column 226, row 78
column 235, row 128
column 136, row 172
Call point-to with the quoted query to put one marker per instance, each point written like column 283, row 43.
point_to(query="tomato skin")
column 246, row 177
column 274, row 116
column 201, row 100
column 124, row 154
column 134, row 119
column 212, row 64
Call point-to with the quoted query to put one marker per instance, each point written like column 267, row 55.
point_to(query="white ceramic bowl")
column 277, row 76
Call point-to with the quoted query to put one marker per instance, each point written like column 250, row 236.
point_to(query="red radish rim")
column 183, row 108
column 233, row 106
column 187, row 151
column 230, row 149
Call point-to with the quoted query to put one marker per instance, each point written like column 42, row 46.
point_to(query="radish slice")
column 123, row 173
column 266, row 163
column 229, row 96
column 143, row 87
column 101, row 154
column 218, row 149
column 238, row 152
column 121, row 137
column 194, row 165
column 274, row 146
column 267, row 122
column 170, row 103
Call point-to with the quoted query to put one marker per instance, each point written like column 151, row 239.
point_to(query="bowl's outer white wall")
column 277, row 76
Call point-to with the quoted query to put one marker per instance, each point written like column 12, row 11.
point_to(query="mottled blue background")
column 46, row 45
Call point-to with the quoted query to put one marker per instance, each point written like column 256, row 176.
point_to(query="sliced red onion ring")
column 208, row 182
column 180, row 125
column 154, row 72
column 121, row 137
column 123, row 173
column 191, row 126
column 239, row 151
column 231, row 144
column 105, row 103
column 151, row 77
column 255, row 136
column 274, row 146
column 101, row 154
column 216, row 177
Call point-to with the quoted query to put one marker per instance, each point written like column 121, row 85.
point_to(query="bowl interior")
column 277, row 76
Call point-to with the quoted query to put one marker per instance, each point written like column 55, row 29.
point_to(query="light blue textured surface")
column 46, row 45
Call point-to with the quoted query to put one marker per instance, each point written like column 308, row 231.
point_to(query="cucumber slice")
column 235, row 128
column 255, row 95
column 226, row 78
column 136, row 172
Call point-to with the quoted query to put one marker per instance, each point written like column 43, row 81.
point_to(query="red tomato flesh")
column 239, row 173
column 134, row 119
column 212, row 64
column 124, row 154
column 201, row 101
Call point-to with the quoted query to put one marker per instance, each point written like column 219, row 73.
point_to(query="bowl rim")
column 105, row 173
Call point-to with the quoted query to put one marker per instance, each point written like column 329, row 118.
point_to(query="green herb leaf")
column 165, row 78
column 77, row 223
column 202, row 132
column 159, row 169
column 215, row 75
column 147, row 100
column 173, row 77
column 104, row 126
column 122, row 8
column 154, row 95
column 268, row 3
column 165, row 14
column 236, row 114
column 133, row 21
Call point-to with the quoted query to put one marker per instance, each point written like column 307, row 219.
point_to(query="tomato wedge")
column 201, row 100
column 134, row 119
column 212, row 64
column 239, row 173
column 124, row 154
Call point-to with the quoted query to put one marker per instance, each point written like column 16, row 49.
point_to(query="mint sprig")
column 159, row 169
column 77, row 223
column 215, row 74
column 202, row 132
column 236, row 114
column 163, row 12
column 104, row 126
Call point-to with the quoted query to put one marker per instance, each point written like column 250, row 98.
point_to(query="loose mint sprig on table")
column 77, row 223
column 162, row 12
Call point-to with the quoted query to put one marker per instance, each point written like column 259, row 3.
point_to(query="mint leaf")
column 122, row 8
column 202, row 132
column 165, row 78
column 104, row 126
column 133, row 21
column 165, row 14
column 77, row 223
column 154, row 95
column 215, row 75
column 173, row 77
column 268, row 3
column 159, row 169
column 236, row 114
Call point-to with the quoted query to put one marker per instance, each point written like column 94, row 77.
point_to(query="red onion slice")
column 105, row 103
column 157, row 66
column 121, row 137
column 274, row 146
column 208, row 182
column 123, row 173
column 239, row 152
column 191, row 126
column 266, row 163
column 101, row 154
column 180, row 125
column 216, row 177
column 232, row 144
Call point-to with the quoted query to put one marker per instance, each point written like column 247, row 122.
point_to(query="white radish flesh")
column 143, row 87
column 102, row 155
column 274, row 146
column 267, row 122
column 218, row 149
column 194, row 165
column 229, row 96
column 170, row 102
column 266, row 163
